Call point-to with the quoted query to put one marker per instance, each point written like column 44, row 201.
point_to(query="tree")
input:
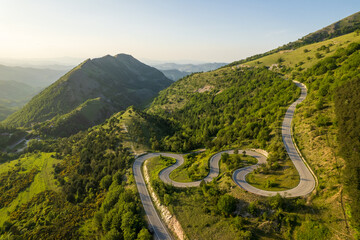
column 227, row 204
column 106, row 182
column 280, row 60
column 144, row 235
column 167, row 199
column 225, row 157
column 318, row 55
column 113, row 234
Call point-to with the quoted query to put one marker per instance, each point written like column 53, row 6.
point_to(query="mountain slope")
column 339, row 28
column 205, row 67
column 13, row 95
column 117, row 82
column 174, row 74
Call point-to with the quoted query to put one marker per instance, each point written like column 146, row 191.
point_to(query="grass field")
column 278, row 180
column 305, row 57
column 44, row 180
column 195, row 167
column 156, row 164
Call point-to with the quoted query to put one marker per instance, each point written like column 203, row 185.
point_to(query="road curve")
column 306, row 185
column 307, row 181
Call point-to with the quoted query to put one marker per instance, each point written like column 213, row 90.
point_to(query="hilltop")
column 339, row 28
column 90, row 93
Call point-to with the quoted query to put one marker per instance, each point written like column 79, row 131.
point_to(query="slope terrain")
column 90, row 93
column 339, row 28
column 14, row 95
column 176, row 71
column 18, row 85
column 323, row 67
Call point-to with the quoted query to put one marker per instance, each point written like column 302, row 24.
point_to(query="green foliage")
column 227, row 204
column 106, row 182
column 12, row 183
column 347, row 106
column 144, row 235
column 232, row 112
column 312, row 230
column 46, row 216
column 235, row 161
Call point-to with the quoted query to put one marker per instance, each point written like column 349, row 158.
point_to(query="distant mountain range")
column 90, row 93
column 176, row 71
column 34, row 77
column 19, row 84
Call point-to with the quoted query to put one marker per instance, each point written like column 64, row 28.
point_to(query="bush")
column 312, row 230
column 144, row 235
column 227, row 204
column 106, row 182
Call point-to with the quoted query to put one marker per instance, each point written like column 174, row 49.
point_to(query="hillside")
column 14, row 95
column 212, row 110
column 83, row 182
column 18, row 85
column 114, row 83
column 339, row 28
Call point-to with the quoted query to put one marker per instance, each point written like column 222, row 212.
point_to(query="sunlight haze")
column 221, row 31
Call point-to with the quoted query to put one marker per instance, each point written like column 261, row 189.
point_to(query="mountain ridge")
column 118, row 81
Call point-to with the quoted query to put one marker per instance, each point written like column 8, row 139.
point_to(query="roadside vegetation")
column 228, row 212
column 276, row 175
column 195, row 167
column 316, row 130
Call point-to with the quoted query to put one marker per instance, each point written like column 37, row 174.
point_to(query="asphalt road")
column 306, row 185
column 160, row 231
column 307, row 181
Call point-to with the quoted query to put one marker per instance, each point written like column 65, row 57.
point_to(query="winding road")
column 306, row 184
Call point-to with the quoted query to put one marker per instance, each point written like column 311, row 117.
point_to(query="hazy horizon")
column 176, row 31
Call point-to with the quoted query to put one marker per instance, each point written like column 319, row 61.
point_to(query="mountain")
column 91, row 92
column 191, row 68
column 176, row 71
column 34, row 77
column 14, row 95
column 339, row 28
column 19, row 84
column 174, row 74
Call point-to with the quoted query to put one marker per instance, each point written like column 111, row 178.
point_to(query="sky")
column 163, row 30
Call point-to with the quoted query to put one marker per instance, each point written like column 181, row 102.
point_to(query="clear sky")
column 167, row 30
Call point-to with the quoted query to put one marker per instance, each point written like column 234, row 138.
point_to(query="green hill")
column 113, row 82
column 339, row 28
column 238, row 105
